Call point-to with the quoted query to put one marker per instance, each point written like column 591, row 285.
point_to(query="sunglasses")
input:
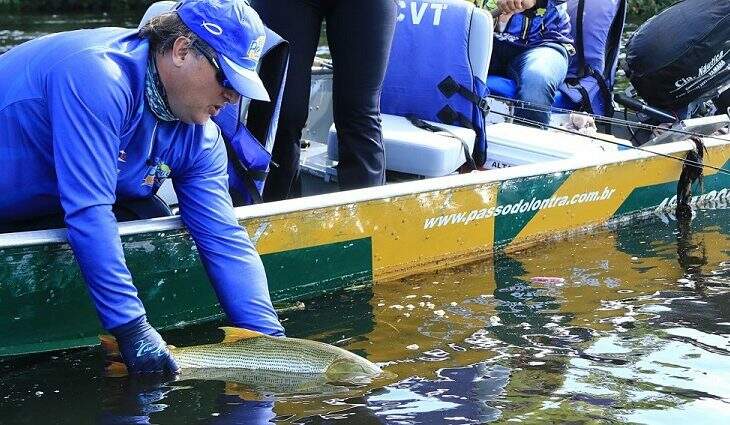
column 219, row 75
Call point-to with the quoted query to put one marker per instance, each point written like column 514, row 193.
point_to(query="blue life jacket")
column 597, row 29
column 545, row 23
column 249, row 129
column 438, row 65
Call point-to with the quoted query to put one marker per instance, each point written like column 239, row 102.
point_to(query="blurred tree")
column 639, row 10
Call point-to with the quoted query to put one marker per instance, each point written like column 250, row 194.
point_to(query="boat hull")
column 325, row 243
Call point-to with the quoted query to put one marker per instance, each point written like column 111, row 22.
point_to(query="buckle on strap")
column 469, row 160
column 483, row 105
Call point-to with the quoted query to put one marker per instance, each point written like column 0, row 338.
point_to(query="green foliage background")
column 62, row 6
column 639, row 10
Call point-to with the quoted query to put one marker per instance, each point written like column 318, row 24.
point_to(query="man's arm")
column 230, row 258
column 87, row 111
column 87, row 107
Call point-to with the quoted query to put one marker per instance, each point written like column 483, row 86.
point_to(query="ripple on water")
column 622, row 340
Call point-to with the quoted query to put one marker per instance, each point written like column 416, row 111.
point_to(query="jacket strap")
column 247, row 176
column 437, row 129
column 580, row 48
column 449, row 86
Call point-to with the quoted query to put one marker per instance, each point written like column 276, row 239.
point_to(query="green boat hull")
column 327, row 243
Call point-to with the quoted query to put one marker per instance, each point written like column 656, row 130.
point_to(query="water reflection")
column 638, row 330
column 16, row 29
column 672, row 343
column 143, row 402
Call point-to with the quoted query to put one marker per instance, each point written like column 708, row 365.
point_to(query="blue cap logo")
column 235, row 31
column 257, row 47
column 212, row 28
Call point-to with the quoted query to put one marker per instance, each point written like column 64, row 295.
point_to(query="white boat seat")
column 513, row 144
column 409, row 149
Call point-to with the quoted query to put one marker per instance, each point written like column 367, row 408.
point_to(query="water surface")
column 638, row 332
column 16, row 29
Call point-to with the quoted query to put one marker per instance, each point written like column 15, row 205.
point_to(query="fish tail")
column 110, row 346
column 116, row 370
column 114, row 367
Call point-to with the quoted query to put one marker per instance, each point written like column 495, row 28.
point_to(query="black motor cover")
column 682, row 54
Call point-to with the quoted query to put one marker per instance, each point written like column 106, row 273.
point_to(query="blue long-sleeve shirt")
column 76, row 135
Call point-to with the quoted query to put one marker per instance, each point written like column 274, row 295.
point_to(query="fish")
column 261, row 384
column 244, row 352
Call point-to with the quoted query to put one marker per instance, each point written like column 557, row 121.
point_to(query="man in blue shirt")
column 532, row 44
column 95, row 117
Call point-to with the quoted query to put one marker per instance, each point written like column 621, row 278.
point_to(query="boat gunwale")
column 328, row 200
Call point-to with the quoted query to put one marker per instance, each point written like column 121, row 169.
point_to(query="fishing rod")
column 540, row 108
column 576, row 133
column 606, row 120
column 496, row 13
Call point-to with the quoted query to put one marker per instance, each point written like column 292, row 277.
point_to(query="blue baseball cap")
column 235, row 31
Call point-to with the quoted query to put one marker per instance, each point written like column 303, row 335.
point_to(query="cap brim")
column 246, row 82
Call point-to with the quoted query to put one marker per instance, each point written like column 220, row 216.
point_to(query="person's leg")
column 359, row 33
column 299, row 22
column 502, row 55
column 539, row 71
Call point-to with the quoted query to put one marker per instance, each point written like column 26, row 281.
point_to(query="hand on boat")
column 143, row 350
column 513, row 6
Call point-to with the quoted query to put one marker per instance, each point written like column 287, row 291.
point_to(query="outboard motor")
column 682, row 55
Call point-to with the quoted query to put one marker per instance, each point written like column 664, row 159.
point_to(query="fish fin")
column 116, row 370
column 110, row 346
column 236, row 334
column 243, row 392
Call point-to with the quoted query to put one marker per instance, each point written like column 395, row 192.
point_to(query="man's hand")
column 514, row 6
column 143, row 349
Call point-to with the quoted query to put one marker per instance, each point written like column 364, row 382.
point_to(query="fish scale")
column 261, row 353
column 263, row 362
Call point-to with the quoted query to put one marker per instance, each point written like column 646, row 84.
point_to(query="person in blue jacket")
column 91, row 118
column 532, row 44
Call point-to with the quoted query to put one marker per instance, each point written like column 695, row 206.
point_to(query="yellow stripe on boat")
column 324, row 243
